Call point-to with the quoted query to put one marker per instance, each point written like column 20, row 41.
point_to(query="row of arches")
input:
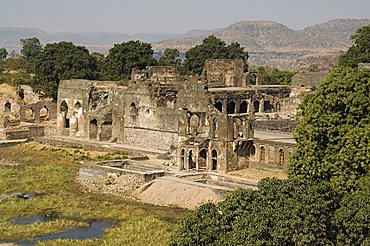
column 76, row 112
column 262, row 156
column 231, row 107
column 188, row 160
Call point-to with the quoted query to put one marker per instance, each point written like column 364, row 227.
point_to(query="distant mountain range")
column 269, row 43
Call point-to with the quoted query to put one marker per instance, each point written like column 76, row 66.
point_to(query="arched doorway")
column 93, row 129
column 256, row 106
column 214, row 160
column 202, row 161
column 243, row 107
column 281, row 156
column 191, row 162
column 218, row 106
column 64, row 112
column 7, row 107
column 231, row 107
column 262, row 154
column 267, row 107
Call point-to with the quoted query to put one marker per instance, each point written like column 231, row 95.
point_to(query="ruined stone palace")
column 204, row 122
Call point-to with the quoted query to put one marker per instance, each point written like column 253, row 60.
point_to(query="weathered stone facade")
column 205, row 122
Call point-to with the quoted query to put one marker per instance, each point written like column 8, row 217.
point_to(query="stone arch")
column 218, row 105
column 243, row 107
column 44, row 113
column 133, row 109
column 256, row 106
column 267, row 107
column 202, row 161
column 94, row 129
column 191, row 162
column 7, row 107
column 64, row 112
column 231, row 107
column 194, row 124
column 281, row 157
column 262, row 153
column 29, row 114
column 106, row 128
column 214, row 160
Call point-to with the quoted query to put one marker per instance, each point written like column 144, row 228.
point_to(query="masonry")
column 204, row 122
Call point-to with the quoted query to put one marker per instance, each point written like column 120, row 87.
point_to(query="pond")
column 96, row 229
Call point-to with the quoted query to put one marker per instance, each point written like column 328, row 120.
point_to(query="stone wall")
column 278, row 125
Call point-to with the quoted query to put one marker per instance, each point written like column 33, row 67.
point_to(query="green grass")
column 51, row 173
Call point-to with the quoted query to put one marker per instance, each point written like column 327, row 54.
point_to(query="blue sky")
column 178, row 16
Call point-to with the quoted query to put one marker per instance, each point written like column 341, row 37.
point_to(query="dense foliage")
column 280, row 212
column 360, row 51
column 170, row 57
column 60, row 61
column 273, row 76
column 31, row 47
column 333, row 136
column 3, row 53
column 122, row 58
column 211, row 48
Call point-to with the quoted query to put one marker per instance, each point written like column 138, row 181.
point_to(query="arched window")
column 243, row 107
column 7, row 107
column 281, row 156
column 262, row 154
column 203, row 158
column 191, row 161
column 214, row 160
column 256, row 106
column 77, row 105
column 231, row 107
column 218, row 106
column 64, row 107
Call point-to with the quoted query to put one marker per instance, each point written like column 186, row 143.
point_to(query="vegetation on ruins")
column 273, row 76
column 211, row 48
column 360, row 51
column 50, row 172
column 122, row 58
column 3, row 53
column 60, row 61
column 325, row 200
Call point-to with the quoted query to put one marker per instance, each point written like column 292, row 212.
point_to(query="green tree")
column 273, row 76
column 170, row 57
column 122, row 58
column 360, row 51
column 31, row 47
column 3, row 53
column 60, row 61
column 280, row 212
column 333, row 136
column 211, row 48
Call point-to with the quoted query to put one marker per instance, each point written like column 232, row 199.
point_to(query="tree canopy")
column 170, row 57
column 333, row 136
column 360, row 51
column 31, row 47
column 60, row 61
column 3, row 53
column 211, row 48
column 122, row 58
column 273, row 76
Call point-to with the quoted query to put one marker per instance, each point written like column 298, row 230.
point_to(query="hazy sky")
column 178, row 16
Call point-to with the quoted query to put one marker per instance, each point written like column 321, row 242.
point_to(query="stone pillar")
column 73, row 126
column 262, row 106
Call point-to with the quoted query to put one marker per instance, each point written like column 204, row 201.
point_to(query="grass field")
column 50, row 172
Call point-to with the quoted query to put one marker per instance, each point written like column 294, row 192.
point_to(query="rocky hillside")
column 273, row 44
